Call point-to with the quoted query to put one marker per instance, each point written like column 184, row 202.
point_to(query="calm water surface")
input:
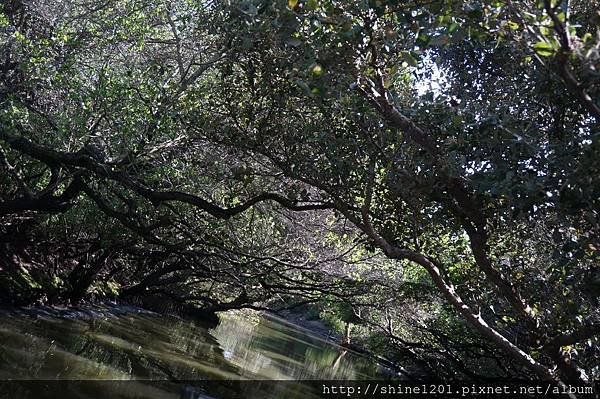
column 152, row 354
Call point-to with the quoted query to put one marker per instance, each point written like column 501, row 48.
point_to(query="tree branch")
column 574, row 337
column 81, row 159
column 574, row 86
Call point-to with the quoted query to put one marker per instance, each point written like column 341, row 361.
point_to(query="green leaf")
column 292, row 3
column 544, row 49
column 409, row 59
column 312, row 4
column 300, row 83
column 316, row 70
column 440, row 40
column 513, row 25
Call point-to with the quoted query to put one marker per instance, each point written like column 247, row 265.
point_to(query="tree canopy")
column 429, row 170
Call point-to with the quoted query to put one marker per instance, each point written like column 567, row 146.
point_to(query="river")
column 129, row 353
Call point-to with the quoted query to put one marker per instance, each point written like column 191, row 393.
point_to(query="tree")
column 319, row 91
column 181, row 145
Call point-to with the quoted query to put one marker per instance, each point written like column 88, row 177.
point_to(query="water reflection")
column 272, row 349
column 154, row 351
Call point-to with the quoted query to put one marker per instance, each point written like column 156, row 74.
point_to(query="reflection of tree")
column 123, row 347
column 20, row 354
column 166, row 349
column 329, row 364
column 273, row 350
column 336, row 363
column 236, row 336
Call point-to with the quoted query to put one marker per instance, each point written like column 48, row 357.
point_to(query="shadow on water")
column 133, row 354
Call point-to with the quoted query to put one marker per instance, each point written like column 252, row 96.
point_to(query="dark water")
column 156, row 356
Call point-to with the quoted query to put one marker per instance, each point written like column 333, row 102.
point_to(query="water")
column 152, row 354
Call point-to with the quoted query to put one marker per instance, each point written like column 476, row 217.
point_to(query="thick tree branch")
column 466, row 206
column 566, row 50
column 475, row 320
column 44, row 203
column 82, row 159
column 574, row 337
column 449, row 292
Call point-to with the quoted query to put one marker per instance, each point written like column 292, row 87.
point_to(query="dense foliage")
column 426, row 170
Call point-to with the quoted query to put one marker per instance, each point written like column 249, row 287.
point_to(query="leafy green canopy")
column 180, row 142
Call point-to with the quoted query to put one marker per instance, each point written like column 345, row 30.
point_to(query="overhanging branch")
column 85, row 161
